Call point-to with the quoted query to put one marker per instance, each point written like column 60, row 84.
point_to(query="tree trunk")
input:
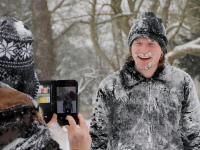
column 43, row 44
column 165, row 12
column 154, row 6
column 94, row 38
column 123, row 22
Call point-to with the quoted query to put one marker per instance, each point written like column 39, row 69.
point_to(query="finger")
column 53, row 119
column 67, row 127
column 71, row 121
column 70, row 131
column 82, row 122
column 87, row 129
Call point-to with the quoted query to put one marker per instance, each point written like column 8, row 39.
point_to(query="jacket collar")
column 130, row 76
column 10, row 97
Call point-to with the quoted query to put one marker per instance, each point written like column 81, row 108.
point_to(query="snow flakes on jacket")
column 21, row 127
column 135, row 113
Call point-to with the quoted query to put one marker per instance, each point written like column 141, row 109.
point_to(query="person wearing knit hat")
column 149, row 26
column 21, row 122
column 148, row 104
column 16, row 57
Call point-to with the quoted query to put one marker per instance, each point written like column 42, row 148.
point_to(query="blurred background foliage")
column 86, row 40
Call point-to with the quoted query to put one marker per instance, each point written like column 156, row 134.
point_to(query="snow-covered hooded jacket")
column 21, row 125
column 135, row 113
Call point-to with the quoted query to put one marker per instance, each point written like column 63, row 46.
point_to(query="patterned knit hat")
column 16, row 57
column 149, row 26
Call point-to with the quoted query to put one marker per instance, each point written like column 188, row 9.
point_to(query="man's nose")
column 144, row 49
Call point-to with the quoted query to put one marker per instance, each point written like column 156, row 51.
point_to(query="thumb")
column 53, row 119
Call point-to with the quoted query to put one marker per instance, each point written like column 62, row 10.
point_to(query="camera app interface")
column 66, row 100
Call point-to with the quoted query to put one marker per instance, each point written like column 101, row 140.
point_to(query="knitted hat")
column 149, row 26
column 16, row 57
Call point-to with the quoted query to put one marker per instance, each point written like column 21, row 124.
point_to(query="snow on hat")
column 16, row 57
column 149, row 26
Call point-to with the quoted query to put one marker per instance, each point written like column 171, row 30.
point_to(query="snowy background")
column 86, row 40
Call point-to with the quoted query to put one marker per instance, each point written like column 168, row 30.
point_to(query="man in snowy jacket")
column 21, row 124
column 67, row 104
column 148, row 104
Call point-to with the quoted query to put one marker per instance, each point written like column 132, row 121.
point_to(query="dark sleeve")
column 25, row 130
column 99, row 123
column 190, row 119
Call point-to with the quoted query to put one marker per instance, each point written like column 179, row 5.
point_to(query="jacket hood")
column 21, row 124
column 10, row 97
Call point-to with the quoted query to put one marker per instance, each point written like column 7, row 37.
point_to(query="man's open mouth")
column 144, row 56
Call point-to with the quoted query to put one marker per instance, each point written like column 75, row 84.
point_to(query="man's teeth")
column 144, row 57
column 147, row 55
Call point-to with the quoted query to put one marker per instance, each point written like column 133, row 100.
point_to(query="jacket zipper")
column 150, row 142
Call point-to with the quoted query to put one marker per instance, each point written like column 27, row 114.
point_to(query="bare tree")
column 43, row 44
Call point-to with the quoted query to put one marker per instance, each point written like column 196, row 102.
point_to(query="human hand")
column 79, row 138
column 53, row 120
column 57, row 133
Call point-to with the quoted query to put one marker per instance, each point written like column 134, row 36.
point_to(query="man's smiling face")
column 146, row 53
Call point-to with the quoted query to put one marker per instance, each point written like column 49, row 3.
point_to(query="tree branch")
column 116, row 17
column 131, row 5
column 165, row 12
column 58, row 6
column 188, row 48
column 136, row 12
column 87, row 15
column 94, row 38
column 181, row 22
column 67, row 29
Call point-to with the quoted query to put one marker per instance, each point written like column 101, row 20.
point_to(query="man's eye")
column 151, row 44
column 138, row 43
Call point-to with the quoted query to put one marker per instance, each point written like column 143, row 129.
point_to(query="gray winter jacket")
column 136, row 113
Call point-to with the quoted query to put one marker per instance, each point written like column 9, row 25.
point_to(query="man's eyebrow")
column 137, row 40
column 151, row 40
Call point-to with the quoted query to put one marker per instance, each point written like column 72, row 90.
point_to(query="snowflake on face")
column 6, row 49
column 26, row 51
